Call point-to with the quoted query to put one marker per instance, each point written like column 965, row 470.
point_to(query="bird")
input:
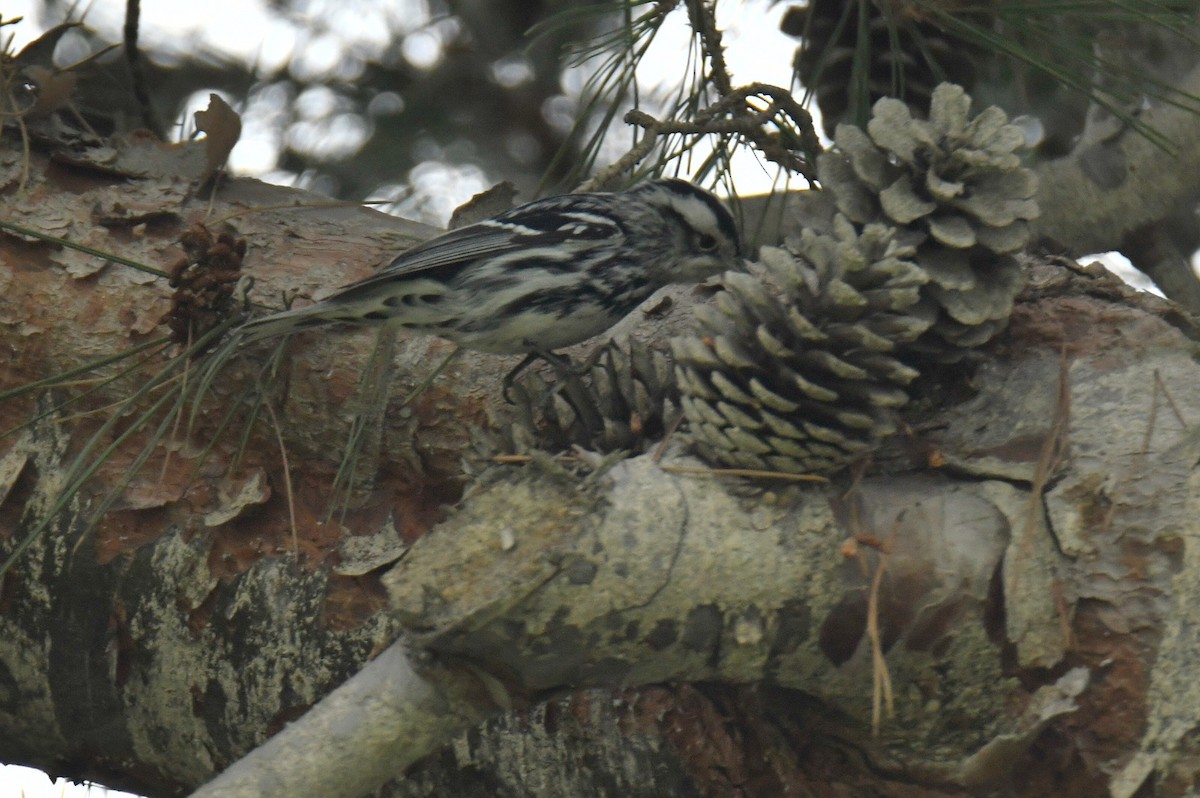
column 539, row 277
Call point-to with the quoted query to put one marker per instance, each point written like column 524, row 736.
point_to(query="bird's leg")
column 560, row 363
column 512, row 375
column 569, row 385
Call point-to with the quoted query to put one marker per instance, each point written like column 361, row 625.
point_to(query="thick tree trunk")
column 1022, row 562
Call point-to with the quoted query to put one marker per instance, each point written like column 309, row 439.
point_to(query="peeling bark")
column 1037, row 640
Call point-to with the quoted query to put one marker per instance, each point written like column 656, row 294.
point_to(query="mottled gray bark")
column 1037, row 640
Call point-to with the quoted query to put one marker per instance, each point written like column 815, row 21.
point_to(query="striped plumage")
column 544, row 275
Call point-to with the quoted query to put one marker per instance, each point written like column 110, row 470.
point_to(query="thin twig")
column 703, row 19
column 794, row 145
column 881, row 678
column 752, row 473
column 137, row 69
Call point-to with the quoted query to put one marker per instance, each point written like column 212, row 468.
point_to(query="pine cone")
column 956, row 188
column 796, row 367
column 620, row 402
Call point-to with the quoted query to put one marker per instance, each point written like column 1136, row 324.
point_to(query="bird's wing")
column 455, row 247
column 546, row 222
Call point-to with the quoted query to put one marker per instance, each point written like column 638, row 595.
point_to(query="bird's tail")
column 289, row 322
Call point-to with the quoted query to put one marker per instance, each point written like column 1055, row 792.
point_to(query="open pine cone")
column 796, row 367
column 619, row 402
column 956, row 189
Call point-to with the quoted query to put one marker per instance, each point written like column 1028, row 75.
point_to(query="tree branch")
column 361, row 735
column 1109, row 187
column 639, row 576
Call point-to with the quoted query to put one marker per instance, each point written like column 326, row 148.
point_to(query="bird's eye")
column 707, row 243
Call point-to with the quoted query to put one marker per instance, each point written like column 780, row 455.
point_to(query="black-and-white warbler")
column 542, row 276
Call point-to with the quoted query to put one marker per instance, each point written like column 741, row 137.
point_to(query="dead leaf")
column 223, row 127
column 484, row 205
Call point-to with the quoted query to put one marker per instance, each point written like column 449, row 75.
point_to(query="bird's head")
column 704, row 237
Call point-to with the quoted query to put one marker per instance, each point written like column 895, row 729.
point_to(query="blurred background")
column 420, row 102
